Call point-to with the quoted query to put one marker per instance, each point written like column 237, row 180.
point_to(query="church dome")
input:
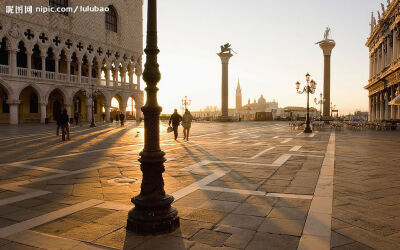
column 262, row 100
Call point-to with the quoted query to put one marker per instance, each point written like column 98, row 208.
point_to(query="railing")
column 22, row 71
column 50, row 75
column 36, row 73
column 73, row 78
column 4, row 69
column 62, row 77
column 84, row 79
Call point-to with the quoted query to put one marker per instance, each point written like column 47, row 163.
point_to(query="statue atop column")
column 226, row 49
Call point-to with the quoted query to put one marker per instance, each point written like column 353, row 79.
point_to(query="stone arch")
column 79, row 105
column 29, row 107
column 56, row 101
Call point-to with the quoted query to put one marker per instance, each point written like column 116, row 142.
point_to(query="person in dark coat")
column 117, row 117
column 76, row 118
column 122, row 118
column 65, row 124
column 175, row 120
column 58, row 120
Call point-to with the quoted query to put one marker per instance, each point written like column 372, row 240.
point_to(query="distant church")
column 249, row 110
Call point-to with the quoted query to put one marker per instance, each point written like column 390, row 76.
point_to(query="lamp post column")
column 153, row 212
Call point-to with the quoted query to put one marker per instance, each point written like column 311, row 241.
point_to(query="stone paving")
column 244, row 185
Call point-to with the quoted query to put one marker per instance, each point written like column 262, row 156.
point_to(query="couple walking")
column 186, row 123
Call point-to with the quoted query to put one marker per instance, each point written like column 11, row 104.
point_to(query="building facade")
column 55, row 61
column 384, row 62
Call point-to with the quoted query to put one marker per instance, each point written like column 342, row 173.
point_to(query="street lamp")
column 310, row 88
column 320, row 102
column 185, row 103
column 153, row 213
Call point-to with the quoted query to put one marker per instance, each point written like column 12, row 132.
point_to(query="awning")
column 395, row 101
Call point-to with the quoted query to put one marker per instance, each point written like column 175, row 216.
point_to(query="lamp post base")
column 151, row 217
column 308, row 129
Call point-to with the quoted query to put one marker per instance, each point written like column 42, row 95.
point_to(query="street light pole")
column 309, row 88
column 320, row 102
column 153, row 213
column 185, row 103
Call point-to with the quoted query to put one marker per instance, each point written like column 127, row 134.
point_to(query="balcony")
column 64, row 78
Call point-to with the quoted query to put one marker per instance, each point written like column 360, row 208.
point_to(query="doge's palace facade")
column 384, row 62
column 53, row 61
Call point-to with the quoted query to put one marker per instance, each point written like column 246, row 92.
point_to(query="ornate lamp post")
column 320, row 102
column 152, row 213
column 310, row 88
column 185, row 103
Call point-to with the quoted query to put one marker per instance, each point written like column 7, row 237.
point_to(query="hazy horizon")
column 275, row 41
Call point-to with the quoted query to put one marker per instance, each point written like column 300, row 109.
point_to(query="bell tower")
column 238, row 97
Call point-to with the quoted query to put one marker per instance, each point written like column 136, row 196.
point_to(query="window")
column 59, row 4
column 33, row 104
column 111, row 19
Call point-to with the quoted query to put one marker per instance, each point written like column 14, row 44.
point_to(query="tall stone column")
column 28, row 62
column 224, row 90
column 43, row 65
column 370, row 108
column 68, row 108
column 138, row 113
column 13, row 104
column 13, row 62
column 43, row 112
column 327, row 45
column 382, row 107
column 89, row 109
column 107, row 108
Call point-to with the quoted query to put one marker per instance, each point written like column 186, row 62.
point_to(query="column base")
column 225, row 119
column 152, row 217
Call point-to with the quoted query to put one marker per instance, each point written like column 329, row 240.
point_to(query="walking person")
column 65, row 124
column 76, row 118
column 186, row 124
column 103, row 116
column 122, row 119
column 175, row 120
column 58, row 120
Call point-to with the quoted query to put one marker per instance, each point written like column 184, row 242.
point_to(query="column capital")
column 13, row 102
column 327, row 46
column 224, row 57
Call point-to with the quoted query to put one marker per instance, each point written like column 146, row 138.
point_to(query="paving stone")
column 239, row 237
column 253, row 209
column 235, row 197
column 289, row 213
column 90, row 214
column 282, row 226
column 121, row 239
column 189, row 227
column 242, row 221
column 267, row 241
column 58, row 227
column 165, row 243
column 339, row 240
column 89, row 232
column 17, row 246
column 222, row 206
column 211, row 238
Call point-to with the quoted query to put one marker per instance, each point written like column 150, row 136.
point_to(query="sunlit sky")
column 275, row 41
